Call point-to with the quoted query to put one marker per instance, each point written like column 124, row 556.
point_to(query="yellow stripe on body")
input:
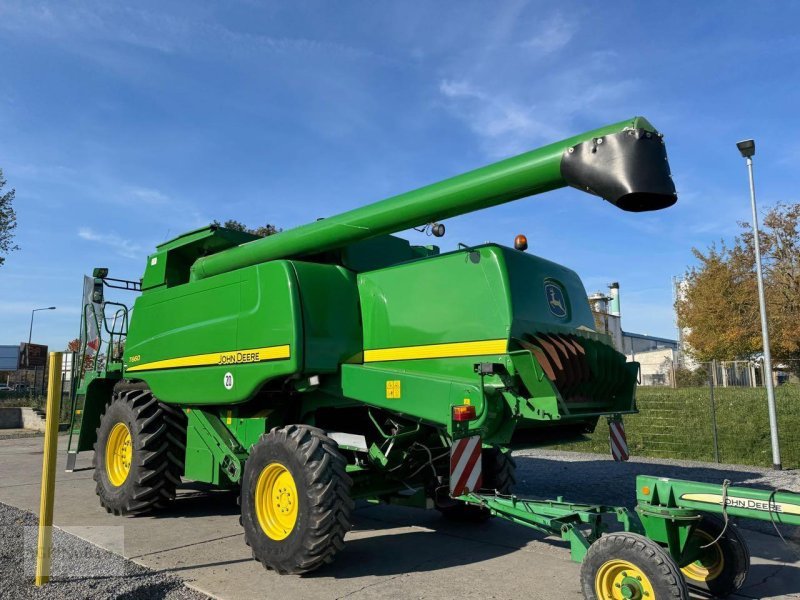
column 233, row 357
column 437, row 351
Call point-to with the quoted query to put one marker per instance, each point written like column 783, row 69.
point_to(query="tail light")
column 464, row 412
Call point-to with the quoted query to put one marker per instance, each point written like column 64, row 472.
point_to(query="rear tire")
column 139, row 453
column 499, row 474
column 295, row 499
column 723, row 568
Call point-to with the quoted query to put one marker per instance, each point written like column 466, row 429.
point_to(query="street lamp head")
column 51, row 308
column 747, row 148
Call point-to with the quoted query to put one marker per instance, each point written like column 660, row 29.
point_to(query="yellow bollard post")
column 49, row 469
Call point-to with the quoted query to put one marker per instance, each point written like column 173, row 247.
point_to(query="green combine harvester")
column 334, row 362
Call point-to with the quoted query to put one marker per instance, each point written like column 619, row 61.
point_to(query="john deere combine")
column 335, row 362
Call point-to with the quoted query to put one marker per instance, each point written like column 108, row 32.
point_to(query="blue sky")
column 122, row 127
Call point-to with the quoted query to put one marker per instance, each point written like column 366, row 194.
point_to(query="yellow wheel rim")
column 119, row 453
column 709, row 565
column 622, row 580
column 276, row 501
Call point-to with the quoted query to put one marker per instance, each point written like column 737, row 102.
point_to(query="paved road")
column 391, row 552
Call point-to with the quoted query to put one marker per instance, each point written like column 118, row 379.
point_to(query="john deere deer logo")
column 555, row 300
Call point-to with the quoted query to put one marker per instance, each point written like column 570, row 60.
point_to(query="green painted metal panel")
column 380, row 252
column 92, row 397
column 253, row 308
column 155, row 273
column 482, row 294
column 213, row 453
column 417, row 396
column 246, row 429
column 456, row 297
column 529, row 280
column 665, row 499
column 200, row 464
column 331, row 316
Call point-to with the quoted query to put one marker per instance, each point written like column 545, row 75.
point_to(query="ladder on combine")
column 104, row 327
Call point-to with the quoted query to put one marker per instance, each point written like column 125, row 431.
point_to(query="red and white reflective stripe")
column 465, row 466
column 619, row 443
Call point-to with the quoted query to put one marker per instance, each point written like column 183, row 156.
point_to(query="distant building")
column 658, row 356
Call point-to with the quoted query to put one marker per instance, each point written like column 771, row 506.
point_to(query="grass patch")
column 676, row 423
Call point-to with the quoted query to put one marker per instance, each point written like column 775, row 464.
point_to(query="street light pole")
column 748, row 149
column 27, row 348
column 30, row 331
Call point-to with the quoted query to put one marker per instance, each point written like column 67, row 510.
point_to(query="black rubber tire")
column 735, row 553
column 158, row 436
column 324, row 502
column 656, row 564
column 499, row 473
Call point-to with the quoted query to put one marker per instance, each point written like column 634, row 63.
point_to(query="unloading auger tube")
column 624, row 163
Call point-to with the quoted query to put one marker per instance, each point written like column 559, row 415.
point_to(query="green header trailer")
column 336, row 361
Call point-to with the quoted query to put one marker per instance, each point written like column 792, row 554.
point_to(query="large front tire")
column 139, row 453
column 295, row 499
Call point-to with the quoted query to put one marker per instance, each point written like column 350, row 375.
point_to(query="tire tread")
column 160, row 463
column 330, row 503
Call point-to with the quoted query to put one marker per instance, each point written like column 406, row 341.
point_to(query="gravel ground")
column 597, row 479
column 79, row 570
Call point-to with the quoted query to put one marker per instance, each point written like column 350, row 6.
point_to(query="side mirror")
column 97, row 291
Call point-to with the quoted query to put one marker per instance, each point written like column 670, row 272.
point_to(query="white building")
column 658, row 356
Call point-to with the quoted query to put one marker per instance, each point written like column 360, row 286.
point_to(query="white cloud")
column 555, row 33
column 515, row 115
column 460, row 89
column 189, row 32
column 506, row 125
column 149, row 195
column 122, row 246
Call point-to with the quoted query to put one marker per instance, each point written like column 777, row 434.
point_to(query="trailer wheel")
column 295, row 499
column 499, row 473
column 139, row 453
column 722, row 567
column 621, row 566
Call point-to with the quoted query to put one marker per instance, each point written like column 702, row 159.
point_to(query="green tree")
column 718, row 301
column 8, row 220
column 262, row 231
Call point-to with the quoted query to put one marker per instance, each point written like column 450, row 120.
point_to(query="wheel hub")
column 119, row 454
column 711, row 561
column 276, row 501
column 622, row 580
column 631, row 589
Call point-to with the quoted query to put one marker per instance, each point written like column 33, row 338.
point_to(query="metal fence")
column 715, row 412
column 676, row 373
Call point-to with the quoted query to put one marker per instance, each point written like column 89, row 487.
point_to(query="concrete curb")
column 21, row 417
